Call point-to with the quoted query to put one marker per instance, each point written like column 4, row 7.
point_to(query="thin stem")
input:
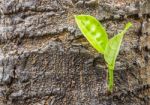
column 110, row 79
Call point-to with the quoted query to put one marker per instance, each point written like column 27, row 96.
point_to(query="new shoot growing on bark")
column 97, row 36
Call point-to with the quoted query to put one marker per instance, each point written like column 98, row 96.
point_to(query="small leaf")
column 113, row 46
column 93, row 31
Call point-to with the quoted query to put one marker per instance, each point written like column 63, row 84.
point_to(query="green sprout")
column 97, row 36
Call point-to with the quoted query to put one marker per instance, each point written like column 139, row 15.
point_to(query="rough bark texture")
column 45, row 60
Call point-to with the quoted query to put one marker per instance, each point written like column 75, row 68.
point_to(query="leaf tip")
column 75, row 16
column 128, row 25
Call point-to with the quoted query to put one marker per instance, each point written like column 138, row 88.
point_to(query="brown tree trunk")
column 45, row 60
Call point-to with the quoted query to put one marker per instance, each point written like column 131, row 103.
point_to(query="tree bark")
column 45, row 60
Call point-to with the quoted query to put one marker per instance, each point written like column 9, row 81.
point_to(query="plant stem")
column 110, row 79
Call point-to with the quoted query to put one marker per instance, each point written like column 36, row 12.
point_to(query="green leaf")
column 111, row 52
column 93, row 31
column 113, row 46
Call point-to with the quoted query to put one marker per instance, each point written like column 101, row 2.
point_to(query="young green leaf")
column 111, row 52
column 113, row 46
column 93, row 31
